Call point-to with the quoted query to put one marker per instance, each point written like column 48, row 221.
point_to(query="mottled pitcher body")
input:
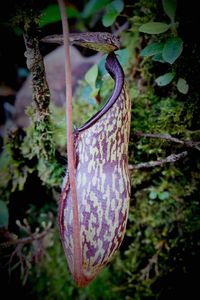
column 102, row 184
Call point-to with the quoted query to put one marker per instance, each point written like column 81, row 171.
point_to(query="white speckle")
column 112, row 204
column 84, row 179
column 94, row 180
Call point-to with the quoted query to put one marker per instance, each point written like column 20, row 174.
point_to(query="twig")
column 70, row 144
column 153, row 261
column 25, row 256
column 151, row 164
column 168, row 137
column 27, row 240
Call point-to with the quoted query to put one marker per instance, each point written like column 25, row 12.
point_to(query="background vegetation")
column 160, row 252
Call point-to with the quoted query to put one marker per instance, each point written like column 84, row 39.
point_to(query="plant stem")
column 70, row 145
column 168, row 137
column 35, row 64
column 42, row 143
column 151, row 164
column 29, row 239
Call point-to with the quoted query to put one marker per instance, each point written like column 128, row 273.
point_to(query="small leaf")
column 172, row 49
column 109, row 19
column 72, row 12
column 164, row 79
column 51, row 14
column 3, row 215
column 158, row 57
column 152, row 195
column 93, row 6
column 123, row 56
column 169, row 7
column 152, row 49
column 91, row 75
column 154, row 27
column 117, row 5
column 182, row 86
column 163, row 195
column 94, row 92
column 113, row 10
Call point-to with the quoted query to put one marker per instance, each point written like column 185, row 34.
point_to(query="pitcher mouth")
column 116, row 72
column 104, row 42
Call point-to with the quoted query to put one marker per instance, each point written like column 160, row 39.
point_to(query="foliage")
column 154, row 27
column 91, row 77
column 170, row 49
column 113, row 10
column 93, row 6
column 51, row 14
column 165, row 79
column 182, row 86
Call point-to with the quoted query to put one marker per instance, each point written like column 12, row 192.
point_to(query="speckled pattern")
column 103, row 189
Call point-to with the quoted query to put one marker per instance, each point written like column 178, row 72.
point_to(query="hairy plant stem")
column 70, row 145
column 35, row 64
column 43, row 146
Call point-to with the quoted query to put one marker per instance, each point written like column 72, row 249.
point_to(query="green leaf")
column 182, row 86
column 158, row 57
column 109, row 19
column 169, row 7
column 123, row 55
column 165, row 79
column 93, row 6
column 152, row 49
column 113, row 10
column 52, row 14
column 152, row 195
column 154, row 27
column 72, row 12
column 117, row 5
column 163, row 195
column 94, row 92
column 172, row 49
column 91, row 75
column 3, row 215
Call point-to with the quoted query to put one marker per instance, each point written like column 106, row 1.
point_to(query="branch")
column 153, row 261
column 29, row 239
column 151, row 164
column 26, row 255
column 42, row 139
column 168, row 137
column 35, row 64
